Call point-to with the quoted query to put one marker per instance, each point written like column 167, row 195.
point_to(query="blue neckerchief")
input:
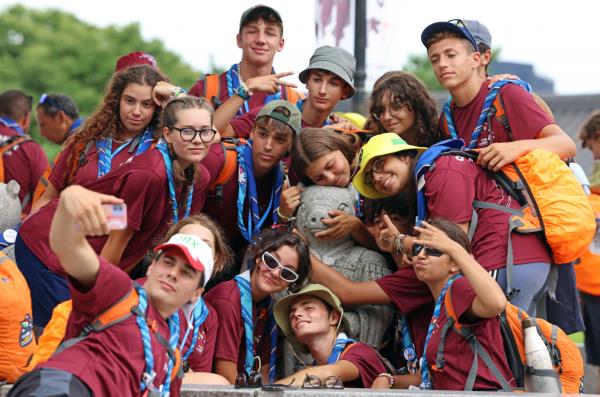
column 243, row 283
column 247, row 191
column 9, row 235
column 149, row 374
column 408, row 347
column 340, row 344
column 425, row 377
column 106, row 154
column 76, row 124
column 483, row 116
column 199, row 314
column 164, row 151
column 10, row 123
column 232, row 77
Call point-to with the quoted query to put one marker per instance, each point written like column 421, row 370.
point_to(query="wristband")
column 398, row 244
column 389, row 377
column 177, row 91
column 243, row 92
column 283, row 218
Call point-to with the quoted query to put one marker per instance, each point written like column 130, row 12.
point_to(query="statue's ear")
column 12, row 189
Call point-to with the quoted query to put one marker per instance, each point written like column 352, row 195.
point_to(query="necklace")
column 121, row 140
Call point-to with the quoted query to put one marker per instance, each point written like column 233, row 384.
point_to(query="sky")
column 559, row 38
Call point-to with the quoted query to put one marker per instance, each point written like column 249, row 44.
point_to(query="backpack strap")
column 291, row 95
column 212, row 89
column 7, row 146
column 230, row 164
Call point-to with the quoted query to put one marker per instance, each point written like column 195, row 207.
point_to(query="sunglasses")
column 45, row 99
column 314, row 382
column 245, row 381
column 416, row 248
column 465, row 29
column 286, row 274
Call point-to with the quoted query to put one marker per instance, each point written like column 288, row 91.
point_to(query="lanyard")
column 10, row 123
column 425, row 376
column 164, row 151
column 106, row 154
column 487, row 104
column 341, row 342
column 243, row 283
column 232, row 77
column 247, row 191
column 408, row 347
column 149, row 373
column 195, row 321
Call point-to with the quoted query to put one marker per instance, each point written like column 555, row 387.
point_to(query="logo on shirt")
column 26, row 334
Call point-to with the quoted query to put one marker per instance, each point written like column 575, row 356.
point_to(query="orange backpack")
column 17, row 342
column 588, row 269
column 8, row 145
column 566, row 358
column 229, row 166
column 54, row 333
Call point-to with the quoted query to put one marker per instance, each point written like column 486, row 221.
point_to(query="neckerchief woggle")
column 166, row 155
column 487, row 105
column 243, row 283
column 149, row 374
column 10, row 123
column 195, row 320
column 247, row 191
column 106, row 154
column 232, row 77
column 425, row 376
column 341, row 342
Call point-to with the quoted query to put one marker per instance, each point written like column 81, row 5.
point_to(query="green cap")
column 282, row 310
column 283, row 111
column 379, row 145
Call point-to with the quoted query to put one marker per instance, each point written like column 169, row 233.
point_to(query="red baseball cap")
column 136, row 58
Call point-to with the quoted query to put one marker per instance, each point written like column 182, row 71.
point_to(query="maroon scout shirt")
column 458, row 354
column 525, row 117
column 25, row 163
column 142, row 184
column 110, row 362
column 451, row 187
column 366, row 360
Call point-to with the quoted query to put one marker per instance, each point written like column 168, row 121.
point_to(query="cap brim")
column 303, row 76
column 193, row 263
column 440, row 27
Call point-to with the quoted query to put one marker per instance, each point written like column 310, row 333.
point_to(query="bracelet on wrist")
column 389, row 377
column 177, row 91
column 398, row 244
column 284, row 219
column 243, row 92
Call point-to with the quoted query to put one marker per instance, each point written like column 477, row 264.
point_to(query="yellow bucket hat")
column 379, row 145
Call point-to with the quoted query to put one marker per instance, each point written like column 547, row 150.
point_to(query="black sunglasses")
column 188, row 134
column 314, row 382
column 416, row 248
column 245, row 381
column 470, row 37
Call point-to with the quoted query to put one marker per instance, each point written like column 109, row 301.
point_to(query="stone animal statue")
column 10, row 216
column 368, row 323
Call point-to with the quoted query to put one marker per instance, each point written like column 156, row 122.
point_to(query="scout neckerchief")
column 247, row 192
column 195, row 320
column 232, row 77
column 425, row 377
column 166, row 155
column 10, row 123
column 408, row 347
column 243, row 282
column 106, row 154
column 341, row 342
column 149, row 373
column 76, row 124
column 487, row 104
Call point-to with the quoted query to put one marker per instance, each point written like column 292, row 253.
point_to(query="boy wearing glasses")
column 22, row 159
column 313, row 319
column 245, row 199
column 453, row 52
column 58, row 117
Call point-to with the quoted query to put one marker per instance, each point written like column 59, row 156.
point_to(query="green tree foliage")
column 419, row 66
column 53, row 51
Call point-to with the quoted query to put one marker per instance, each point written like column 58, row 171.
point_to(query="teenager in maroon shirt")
column 116, row 358
column 314, row 319
column 154, row 196
column 277, row 261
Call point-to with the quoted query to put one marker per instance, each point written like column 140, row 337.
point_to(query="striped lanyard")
column 232, row 76
column 425, row 376
column 247, row 192
column 483, row 116
column 106, row 154
column 408, row 347
column 10, row 123
column 243, row 283
column 341, row 342
column 164, row 151
column 149, row 373
column 195, row 321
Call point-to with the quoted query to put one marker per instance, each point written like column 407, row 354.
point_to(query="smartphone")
column 116, row 216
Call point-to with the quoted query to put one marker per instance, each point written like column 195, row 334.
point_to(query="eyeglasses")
column 286, row 274
column 394, row 110
column 245, row 381
column 45, row 99
column 376, row 167
column 188, row 134
column 465, row 29
column 416, row 248
column 314, row 382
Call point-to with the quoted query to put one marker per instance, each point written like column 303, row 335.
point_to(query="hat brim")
column 330, row 67
column 282, row 309
column 441, row 27
column 193, row 263
column 359, row 179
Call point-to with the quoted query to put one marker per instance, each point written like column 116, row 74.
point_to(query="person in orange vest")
column 588, row 274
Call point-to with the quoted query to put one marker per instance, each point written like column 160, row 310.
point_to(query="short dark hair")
column 15, row 104
column 590, row 129
column 402, row 204
column 266, row 16
column 54, row 103
column 453, row 231
column 448, row 34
